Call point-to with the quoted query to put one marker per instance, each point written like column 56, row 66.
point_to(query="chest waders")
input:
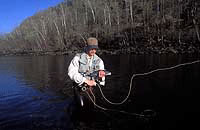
column 85, row 69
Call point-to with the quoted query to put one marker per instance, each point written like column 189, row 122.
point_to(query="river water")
column 36, row 94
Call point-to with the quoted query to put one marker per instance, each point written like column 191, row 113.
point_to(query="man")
column 85, row 63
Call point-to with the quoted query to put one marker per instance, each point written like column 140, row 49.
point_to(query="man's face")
column 92, row 52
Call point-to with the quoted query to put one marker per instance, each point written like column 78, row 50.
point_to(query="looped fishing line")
column 106, row 109
column 142, row 74
column 130, row 88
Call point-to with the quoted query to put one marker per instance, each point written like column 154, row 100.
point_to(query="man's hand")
column 90, row 82
column 101, row 74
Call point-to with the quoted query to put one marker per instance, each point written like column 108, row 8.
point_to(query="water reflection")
column 35, row 92
column 27, row 93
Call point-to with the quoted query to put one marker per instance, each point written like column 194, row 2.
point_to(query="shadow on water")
column 36, row 94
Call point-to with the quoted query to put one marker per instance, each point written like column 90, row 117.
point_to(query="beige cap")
column 92, row 43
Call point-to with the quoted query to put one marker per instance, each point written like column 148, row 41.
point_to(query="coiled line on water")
column 130, row 89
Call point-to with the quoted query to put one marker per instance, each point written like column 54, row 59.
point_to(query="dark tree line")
column 136, row 25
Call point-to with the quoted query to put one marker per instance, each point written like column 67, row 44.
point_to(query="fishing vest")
column 84, row 66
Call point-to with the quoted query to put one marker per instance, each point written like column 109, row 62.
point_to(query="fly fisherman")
column 86, row 63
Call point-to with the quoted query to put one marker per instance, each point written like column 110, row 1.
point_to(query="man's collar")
column 89, row 57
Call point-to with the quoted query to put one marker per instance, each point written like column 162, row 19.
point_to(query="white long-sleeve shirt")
column 73, row 69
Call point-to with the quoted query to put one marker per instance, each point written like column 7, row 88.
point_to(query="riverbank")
column 129, row 50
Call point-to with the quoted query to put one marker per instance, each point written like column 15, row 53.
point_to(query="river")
column 36, row 93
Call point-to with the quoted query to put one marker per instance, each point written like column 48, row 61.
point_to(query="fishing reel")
column 94, row 76
column 84, row 87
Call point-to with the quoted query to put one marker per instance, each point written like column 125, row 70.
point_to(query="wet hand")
column 90, row 82
column 101, row 74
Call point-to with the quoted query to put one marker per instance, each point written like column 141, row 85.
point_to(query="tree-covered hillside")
column 135, row 26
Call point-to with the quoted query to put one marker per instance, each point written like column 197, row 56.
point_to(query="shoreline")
column 130, row 50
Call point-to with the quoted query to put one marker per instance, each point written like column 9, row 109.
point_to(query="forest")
column 121, row 26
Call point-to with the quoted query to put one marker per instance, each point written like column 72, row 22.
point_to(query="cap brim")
column 92, row 47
